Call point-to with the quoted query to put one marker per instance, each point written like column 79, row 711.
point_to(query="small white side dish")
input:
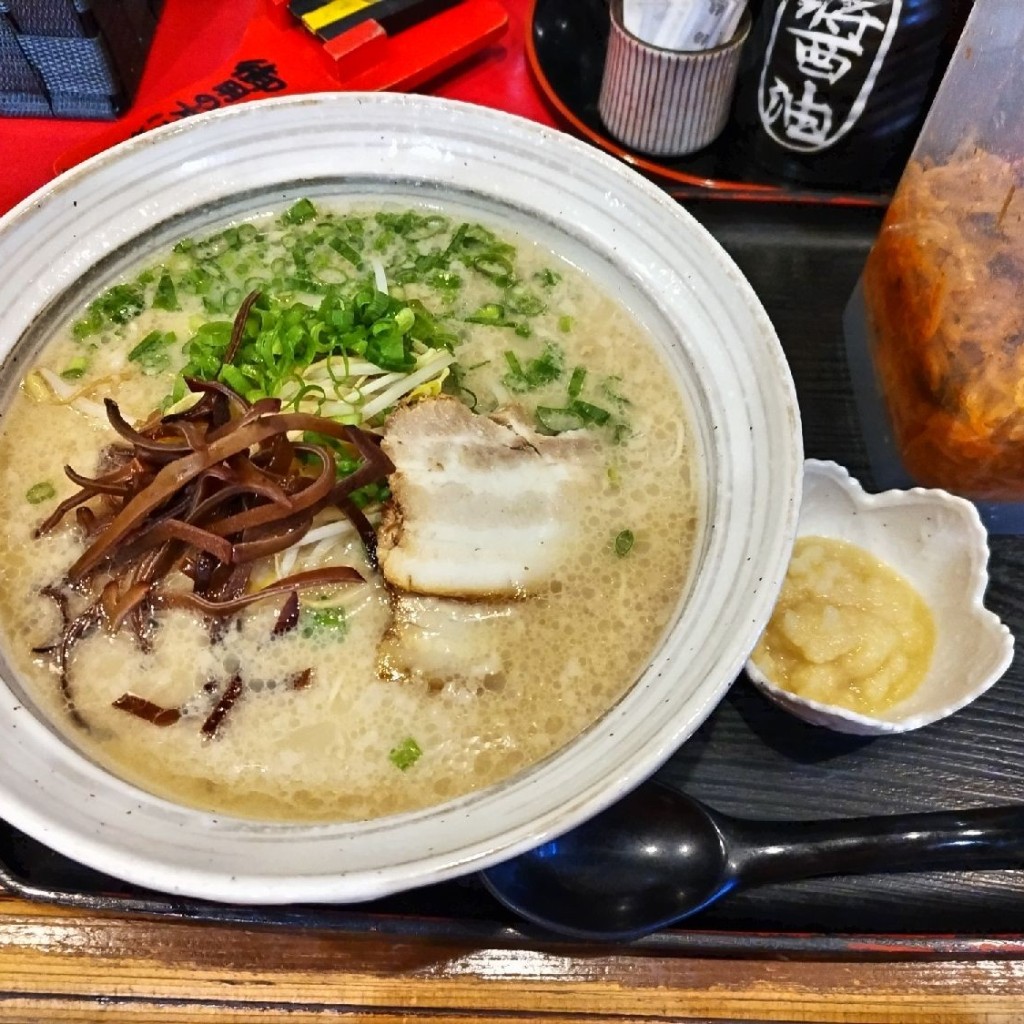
column 935, row 541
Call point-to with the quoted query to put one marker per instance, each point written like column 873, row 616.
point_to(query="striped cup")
column 667, row 102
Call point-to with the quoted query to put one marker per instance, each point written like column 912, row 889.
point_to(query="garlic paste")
column 847, row 629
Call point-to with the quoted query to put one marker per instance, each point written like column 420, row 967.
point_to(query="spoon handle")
column 765, row 852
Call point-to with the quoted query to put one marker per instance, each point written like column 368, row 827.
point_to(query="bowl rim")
column 177, row 868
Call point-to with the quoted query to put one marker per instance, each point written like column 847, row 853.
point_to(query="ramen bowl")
column 80, row 233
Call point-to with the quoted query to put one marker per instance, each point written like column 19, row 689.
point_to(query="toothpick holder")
column 667, row 102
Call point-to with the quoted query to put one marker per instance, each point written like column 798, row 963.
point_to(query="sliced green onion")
column 492, row 313
column 579, row 375
column 406, row 754
column 299, row 213
column 75, row 369
column 117, row 305
column 444, row 280
column 610, row 387
column 346, row 251
column 543, row 370
column 624, row 543
column 590, row 413
column 404, row 319
column 329, row 620
column 575, row 415
column 40, row 492
column 166, row 296
column 557, row 421
column 88, row 324
column 496, row 268
column 523, row 302
column 565, row 324
column 151, row 353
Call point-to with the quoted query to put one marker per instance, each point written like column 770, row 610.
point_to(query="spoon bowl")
column 625, row 872
column 659, row 856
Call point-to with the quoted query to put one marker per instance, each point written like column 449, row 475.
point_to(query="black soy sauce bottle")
column 833, row 93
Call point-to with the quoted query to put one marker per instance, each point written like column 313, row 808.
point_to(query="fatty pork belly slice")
column 440, row 640
column 481, row 506
column 482, row 513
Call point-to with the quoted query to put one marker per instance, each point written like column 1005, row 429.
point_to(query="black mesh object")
column 75, row 105
column 73, row 58
column 21, row 90
column 62, row 18
column 72, row 65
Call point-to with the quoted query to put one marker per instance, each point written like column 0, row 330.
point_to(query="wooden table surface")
column 61, row 964
column 76, row 966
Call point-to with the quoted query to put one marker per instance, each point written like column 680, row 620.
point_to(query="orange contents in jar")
column 944, row 288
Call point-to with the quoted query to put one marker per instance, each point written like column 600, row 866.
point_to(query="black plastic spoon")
column 658, row 856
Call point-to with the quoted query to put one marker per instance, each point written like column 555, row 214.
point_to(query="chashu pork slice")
column 441, row 641
column 481, row 506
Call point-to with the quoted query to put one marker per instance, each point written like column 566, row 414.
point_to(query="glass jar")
column 943, row 282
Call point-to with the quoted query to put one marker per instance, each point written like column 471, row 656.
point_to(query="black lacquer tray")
column 749, row 757
column 565, row 47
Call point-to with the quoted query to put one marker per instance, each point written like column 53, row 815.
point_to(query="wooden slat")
column 144, row 1012
column 60, row 965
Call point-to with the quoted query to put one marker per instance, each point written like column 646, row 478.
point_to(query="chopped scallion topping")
column 406, row 754
column 557, row 421
column 590, row 413
column 40, row 492
column 492, row 313
column 624, row 543
column 75, row 369
column 574, row 416
column 151, row 353
column 548, row 366
column 166, row 296
column 323, row 621
column 521, row 301
column 346, row 251
column 299, row 213
column 117, row 305
column 610, row 388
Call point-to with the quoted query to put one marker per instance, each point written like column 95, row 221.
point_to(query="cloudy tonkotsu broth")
column 355, row 743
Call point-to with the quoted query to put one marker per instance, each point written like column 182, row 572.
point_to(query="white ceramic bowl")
column 937, row 542
column 719, row 347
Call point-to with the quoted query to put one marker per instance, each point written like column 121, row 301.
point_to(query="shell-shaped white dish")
column 937, row 542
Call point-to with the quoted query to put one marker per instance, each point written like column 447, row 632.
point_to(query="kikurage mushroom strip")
column 205, row 492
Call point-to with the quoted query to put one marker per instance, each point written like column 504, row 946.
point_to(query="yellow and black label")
column 330, row 18
column 333, row 11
